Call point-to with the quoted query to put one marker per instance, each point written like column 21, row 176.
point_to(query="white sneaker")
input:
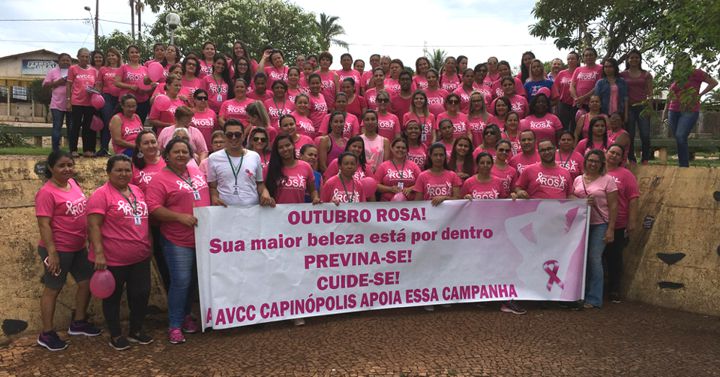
column 299, row 321
column 429, row 308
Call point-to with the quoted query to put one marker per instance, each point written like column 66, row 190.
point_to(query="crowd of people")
column 228, row 130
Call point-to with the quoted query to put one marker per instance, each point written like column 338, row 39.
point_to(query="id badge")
column 219, row 98
column 236, row 190
column 196, row 195
column 138, row 220
column 401, row 185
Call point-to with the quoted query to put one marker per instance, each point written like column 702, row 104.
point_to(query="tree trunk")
column 132, row 19
column 139, row 24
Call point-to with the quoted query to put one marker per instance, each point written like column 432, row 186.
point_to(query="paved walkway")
column 626, row 339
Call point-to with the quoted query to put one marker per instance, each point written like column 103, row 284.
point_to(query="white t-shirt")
column 243, row 190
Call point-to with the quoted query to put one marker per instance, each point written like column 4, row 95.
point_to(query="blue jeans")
column 681, row 123
column 58, row 118
column 594, row 276
column 180, row 261
column 107, row 112
column 638, row 122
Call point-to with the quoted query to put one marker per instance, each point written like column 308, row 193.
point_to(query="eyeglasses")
column 453, row 102
column 259, row 139
column 201, row 98
column 592, row 161
column 233, row 135
column 382, row 100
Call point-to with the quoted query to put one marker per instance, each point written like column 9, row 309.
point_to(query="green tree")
column 437, row 58
column 278, row 23
column 658, row 28
column 121, row 40
column 329, row 29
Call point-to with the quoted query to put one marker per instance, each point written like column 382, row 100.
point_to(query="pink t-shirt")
column 561, row 87
column 129, row 130
column 436, row 100
column 459, row 121
column 197, row 141
column 545, row 128
column 318, row 109
column 374, row 150
column 390, row 174
column 189, row 87
column 57, row 101
column 260, row 96
column 418, row 155
column 275, row 74
column 518, row 104
column 360, row 173
column 302, row 140
column 142, row 177
column 68, row 215
column 371, row 98
column 304, row 125
column 691, row 87
column 81, row 79
column 485, row 88
column 356, row 106
column 542, row 182
column 166, row 116
column 217, row 91
column 585, row 78
column 392, row 86
column 292, row 188
column 499, row 92
column 235, row 109
column 134, row 76
column 572, row 162
column 327, row 82
column 388, row 125
column 450, row 83
column 351, row 192
column 175, row 193
column 206, row 122
column 627, row 190
column 277, row 109
column 636, row 86
column 483, row 190
column 430, row 185
column 125, row 230
column 520, row 161
column 476, row 126
column 420, row 82
column 293, row 93
column 400, row 106
column 599, row 188
column 427, row 125
column 585, row 146
column 107, row 75
column 507, row 177
column 353, row 74
column 350, row 129
column 206, row 69
column 464, row 98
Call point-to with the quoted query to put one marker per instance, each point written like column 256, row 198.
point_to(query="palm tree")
column 329, row 29
column 132, row 18
column 437, row 58
column 139, row 7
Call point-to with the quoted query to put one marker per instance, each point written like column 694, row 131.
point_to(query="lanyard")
column 281, row 111
column 400, row 172
column 134, row 203
column 349, row 196
column 564, row 163
column 187, row 180
column 232, row 167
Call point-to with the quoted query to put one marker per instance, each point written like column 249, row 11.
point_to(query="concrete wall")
column 686, row 220
column 20, row 272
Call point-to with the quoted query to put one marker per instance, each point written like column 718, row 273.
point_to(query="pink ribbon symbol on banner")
column 552, row 267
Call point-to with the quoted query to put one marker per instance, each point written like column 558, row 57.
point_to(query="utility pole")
column 97, row 16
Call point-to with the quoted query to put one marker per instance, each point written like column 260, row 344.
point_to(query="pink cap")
column 544, row 91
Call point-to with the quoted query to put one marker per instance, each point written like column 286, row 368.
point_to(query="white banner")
column 260, row 264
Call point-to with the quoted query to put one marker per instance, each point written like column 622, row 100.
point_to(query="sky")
column 401, row 29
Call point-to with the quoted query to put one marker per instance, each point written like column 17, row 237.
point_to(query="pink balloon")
column 369, row 186
column 97, row 124
column 399, row 197
column 97, row 101
column 102, row 284
column 155, row 71
column 162, row 102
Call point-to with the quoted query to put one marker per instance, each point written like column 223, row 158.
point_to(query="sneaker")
column 189, row 325
column 175, row 336
column 512, row 307
column 615, row 298
column 140, row 338
column 588, row 305
column 299, row 322
column 120, row 343
column 83, row 328
column 429, row 308
column 51, row 341
column 102, row 153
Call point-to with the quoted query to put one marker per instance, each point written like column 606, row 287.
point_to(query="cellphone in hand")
column 47, row 264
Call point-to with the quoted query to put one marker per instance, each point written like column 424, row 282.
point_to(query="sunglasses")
column 259, row 139
column 233, row 135
column 201, row 98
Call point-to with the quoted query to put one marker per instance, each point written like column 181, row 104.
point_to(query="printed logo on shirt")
column 342, row 197
column 492, row 194
column 126, row 209
column 294, row 182
column 131, row 131
column 459, row 127
column 587, row 75
column 386, row 125
column 198, row 182
column 307, row 128
column 77, row 207
column 320, row 107
column 517, row 107
column 237, row 110
column 543, row 124
column 435, row 101
column 218, row 89
column 327, row 84
column 553, row 181
column 134, row 77
column 145, row 177
column 203, row 122
column 85, row 76
column 277, row 76
column 570, row 165
column 438, row 190
column 395, row 174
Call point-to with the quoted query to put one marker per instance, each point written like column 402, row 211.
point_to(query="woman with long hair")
column 584, row 78
column 388, row 123
column 190, row 77
column 566, row 156
column 583, row 120
column 204, row 118
column 106, row 84
column 356, row 104
column 640, row 93
column 491, row 136
column 420, row 113
column 537, row 80
column 435, row 94
column 355, row 145
column 160, row 119
column 518, row 103
column 218, row 83
column 377, row 147
column 437, row 182
column 449, row 77
column 483, row 185
column 612, row 89
column 207, row 61
column 422, row 65
column 259, row 141
column 501, row 169
column 597, row 139
column 236, row 108
column 453, row 114
column 461, row 158
column 397, row 174
column 276, row 70
column 478, row 117
column 131, row 79
column 288, row 126
column 333, row 144
column 526, row 66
